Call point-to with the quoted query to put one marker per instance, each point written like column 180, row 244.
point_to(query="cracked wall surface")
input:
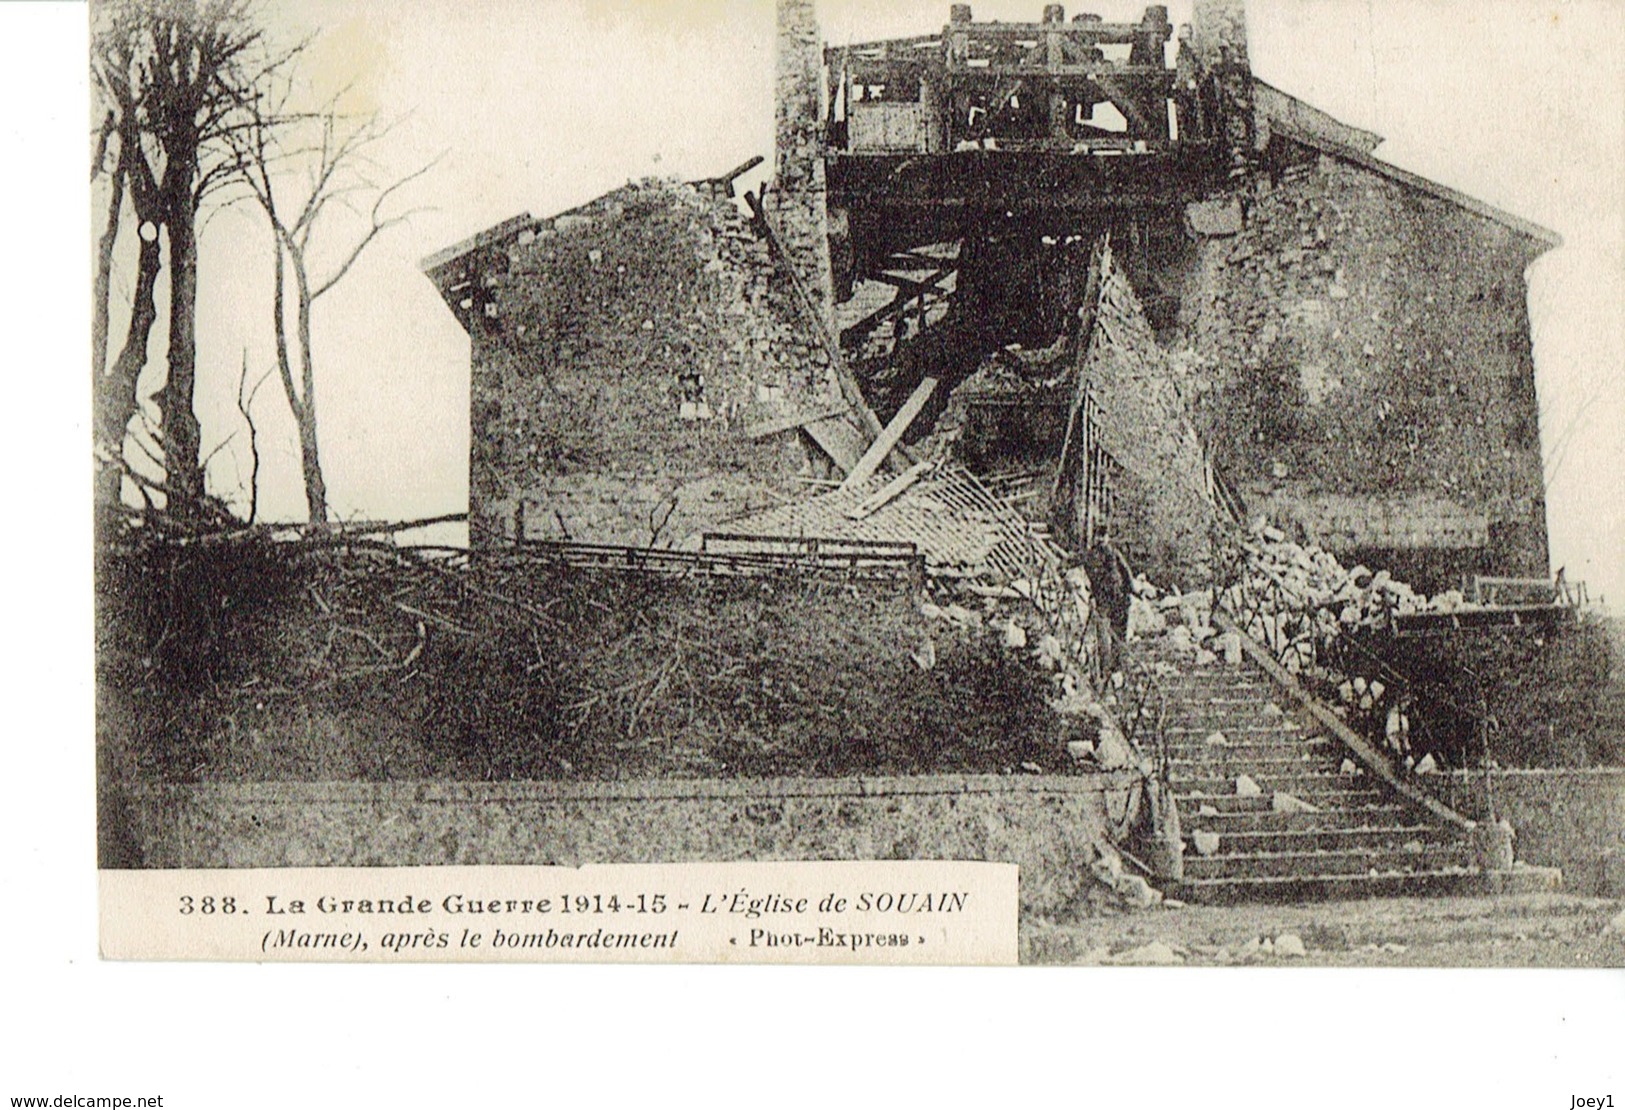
column 624, row 348
column 1370, row 377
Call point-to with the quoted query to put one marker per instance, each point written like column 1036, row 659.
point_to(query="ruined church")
column 1081, row 324
column 1114, row 278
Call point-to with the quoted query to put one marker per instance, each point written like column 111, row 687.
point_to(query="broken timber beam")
column 867, row 420
column 891, row 491
column 930, row 284
column 1092, row 286
column 1126, row 103
column 727, row 180
column 838, row 439
column 891, row 435
column 794, row 420
column 872, row 321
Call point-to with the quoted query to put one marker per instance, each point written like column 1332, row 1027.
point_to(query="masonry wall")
column 1053, row 827
column 797, row 200
column 1372, row 380
column 1574, row 820
column 578, row 356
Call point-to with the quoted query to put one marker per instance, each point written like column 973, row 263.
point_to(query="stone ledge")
column 1054, row 827
column 461, row 793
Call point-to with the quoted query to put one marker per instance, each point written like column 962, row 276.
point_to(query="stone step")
column 1191, row 800
column 1240, row 677
column 1219, row 698
column 1264, row 728
column 1340, row 861
column 1305, row 840
column 1302, row 888
column 1223, row 706
column 1304, row 784
column 1225, row 718
column 1163, row 651
column 1224, row 692
column 1283, row 759
column 1217, row 775
column 1292, row 747
column 1326, row 750
column 1336, row 787
column 1200, row 688
column 1372, row 815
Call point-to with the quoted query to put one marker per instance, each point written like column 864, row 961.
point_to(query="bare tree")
column 173, row 75
column 198, row 80
column 119, row 64
column 336, row 155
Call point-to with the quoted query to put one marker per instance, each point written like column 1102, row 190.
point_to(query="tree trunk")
column 301, row 401
column 182, row 436
column 116, row 395
column 309, row 458
column 104, row 282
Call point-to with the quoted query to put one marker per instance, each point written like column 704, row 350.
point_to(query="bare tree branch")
column 245, row 406
column 335, row 160
column 379, row 226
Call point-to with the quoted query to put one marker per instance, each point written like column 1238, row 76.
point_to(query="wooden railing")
column 731, row 555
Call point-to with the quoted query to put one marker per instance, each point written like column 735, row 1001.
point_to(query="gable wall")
column 1370, row 374
column 576, row 403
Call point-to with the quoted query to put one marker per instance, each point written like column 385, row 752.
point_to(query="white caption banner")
column 861, row 912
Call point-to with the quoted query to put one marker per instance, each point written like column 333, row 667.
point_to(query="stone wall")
column 1050, row 826
column 1219, row 32
column 596, row 329
column 797, row 202
column 1574, row 820
column 1369, row 340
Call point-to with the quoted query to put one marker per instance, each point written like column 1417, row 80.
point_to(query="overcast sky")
column 538, row 106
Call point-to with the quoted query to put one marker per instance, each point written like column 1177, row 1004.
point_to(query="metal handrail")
column 1141, row 700
column 1320, row 641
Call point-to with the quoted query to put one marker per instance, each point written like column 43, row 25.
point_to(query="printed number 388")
column 208, row 904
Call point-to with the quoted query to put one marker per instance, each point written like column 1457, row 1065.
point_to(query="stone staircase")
column 1312, row 830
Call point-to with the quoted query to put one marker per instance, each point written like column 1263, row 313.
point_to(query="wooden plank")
column 914, row 260
column 891, row 491
column 932, row 284
column 843, row 375
column 891, row 434
column 793, row 420
column 838, row 439
column 869, row 323
column 1095, row 71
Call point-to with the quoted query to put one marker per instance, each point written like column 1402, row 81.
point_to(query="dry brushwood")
column 502, row 665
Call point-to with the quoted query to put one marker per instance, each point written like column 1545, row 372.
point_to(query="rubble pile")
column 1050, row 621
column 1291, row 597
column 1012, row 371
column 1298, row 600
